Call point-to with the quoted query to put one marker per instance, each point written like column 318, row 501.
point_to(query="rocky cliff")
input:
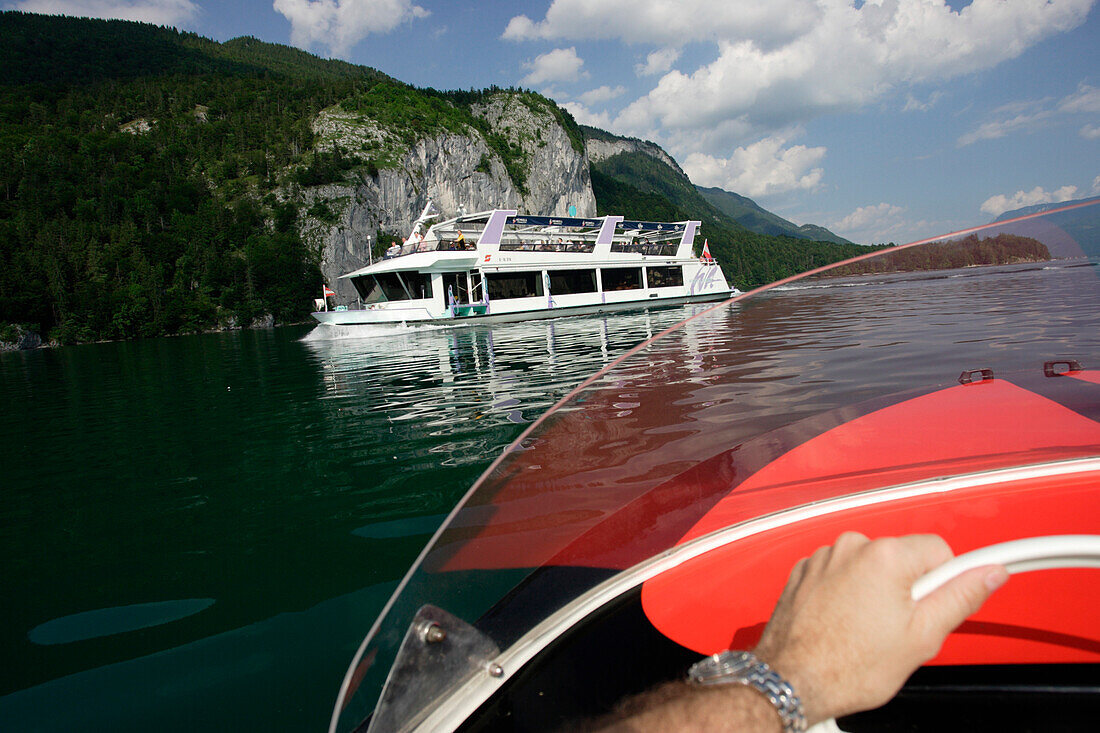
column 452, row 169
column 602, row 145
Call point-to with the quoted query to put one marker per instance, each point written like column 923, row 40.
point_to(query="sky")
column 883, row 120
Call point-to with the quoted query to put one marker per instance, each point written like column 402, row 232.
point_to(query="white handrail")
column 1018, row 556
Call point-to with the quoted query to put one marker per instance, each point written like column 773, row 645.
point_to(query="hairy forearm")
column 678, row 707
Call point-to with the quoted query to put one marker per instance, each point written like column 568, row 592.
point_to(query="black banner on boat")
column 651, row 226
column 564, row 221
column 555, row 221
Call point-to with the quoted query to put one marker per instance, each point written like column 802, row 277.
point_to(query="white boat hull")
column 400, row 316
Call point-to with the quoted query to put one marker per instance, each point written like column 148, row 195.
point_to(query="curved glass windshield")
column 629, row 464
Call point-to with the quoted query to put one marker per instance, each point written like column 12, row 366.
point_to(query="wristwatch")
column 744, row 668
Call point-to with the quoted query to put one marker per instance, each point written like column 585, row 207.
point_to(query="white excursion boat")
column 499, row 266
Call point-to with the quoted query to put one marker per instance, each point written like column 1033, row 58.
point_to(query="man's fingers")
column 927, row 552
column 942, row 610
column 849, row 542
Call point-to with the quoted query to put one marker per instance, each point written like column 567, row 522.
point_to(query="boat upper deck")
column 501, row 230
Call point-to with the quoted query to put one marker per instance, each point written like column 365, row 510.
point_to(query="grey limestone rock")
column 448, row 168
column 599, row 150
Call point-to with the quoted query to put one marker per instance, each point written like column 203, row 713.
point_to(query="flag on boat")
column 328, row 292
column 706, row 252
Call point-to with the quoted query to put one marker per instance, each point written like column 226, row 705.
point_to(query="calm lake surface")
column 197, row 532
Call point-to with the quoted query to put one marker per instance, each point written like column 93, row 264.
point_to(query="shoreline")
column 38, row 343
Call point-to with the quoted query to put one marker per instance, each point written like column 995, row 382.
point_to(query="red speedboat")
column 652, row 516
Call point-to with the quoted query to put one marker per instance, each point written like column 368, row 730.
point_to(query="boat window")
column 475, row 286
column 621, row 278
column 565, row 282
column 393, row 286
column 665, row 277
column 368, row 289
column 548, row 244
column 418, row 283
column 504, row 285
column 455, row 288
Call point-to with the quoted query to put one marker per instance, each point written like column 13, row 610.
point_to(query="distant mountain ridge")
column 752, row 216
column 1040, row 208
column 603, row 145
column 634, row 178
column 1079, row 222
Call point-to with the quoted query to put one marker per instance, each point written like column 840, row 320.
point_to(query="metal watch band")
column 744, row 668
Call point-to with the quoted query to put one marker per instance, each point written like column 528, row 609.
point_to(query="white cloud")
column 870, row 217
column 999, row 204
column 658, row 62
column 880, row 223
column 601, row 94
column 997, row 129
column 763, row 168
column 1090, row 132
column 778, row 64
column 912, row 104
column 1095, row 186
column 1085, row 100
column 339, row 24
column 1027, row 116
column 158, row 12
column 1030, row 115
column 845, row 58
column 669, row 24
column 585, row 116
column 561, row 64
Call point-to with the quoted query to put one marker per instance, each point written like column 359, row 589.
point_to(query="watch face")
column 727, row 666
column 736, row 662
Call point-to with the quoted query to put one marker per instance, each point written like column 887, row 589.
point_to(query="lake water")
column 196, row 532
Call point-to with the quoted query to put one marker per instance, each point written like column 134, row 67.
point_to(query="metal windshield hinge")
column 439, row 652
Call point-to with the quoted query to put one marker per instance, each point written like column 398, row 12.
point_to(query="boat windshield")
column 388, row 286
column 626, row 465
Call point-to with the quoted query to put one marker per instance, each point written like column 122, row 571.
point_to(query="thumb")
column 945, row 608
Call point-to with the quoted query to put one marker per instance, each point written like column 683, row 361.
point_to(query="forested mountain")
column 970, row 251
column 156, row 182
column 140, row 175
column 753, row 217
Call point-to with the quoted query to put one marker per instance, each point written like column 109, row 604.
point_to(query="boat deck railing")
column 547, row 246
column 441, row 245
column 665, row 249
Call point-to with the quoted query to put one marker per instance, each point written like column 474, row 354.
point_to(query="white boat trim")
column 465, row 699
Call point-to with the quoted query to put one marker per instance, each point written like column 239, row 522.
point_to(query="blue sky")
column 884, row 120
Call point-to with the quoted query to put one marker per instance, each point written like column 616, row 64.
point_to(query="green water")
column 196, row 532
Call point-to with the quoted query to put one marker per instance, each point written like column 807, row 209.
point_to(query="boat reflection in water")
column 451, row 360
column 515, row 371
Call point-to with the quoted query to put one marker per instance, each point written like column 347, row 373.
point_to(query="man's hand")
column 846, row 633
